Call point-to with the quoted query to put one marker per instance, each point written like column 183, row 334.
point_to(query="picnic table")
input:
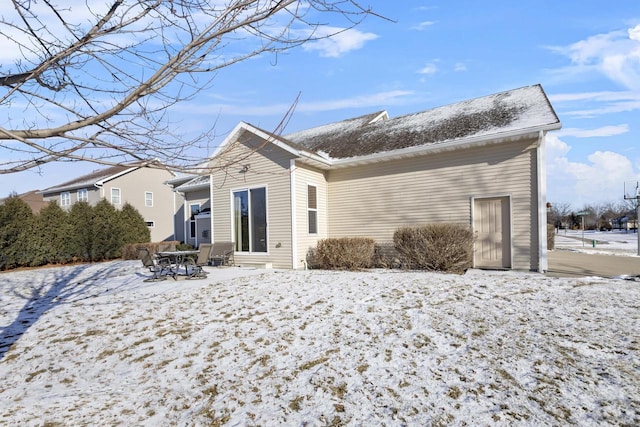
column 178, row 260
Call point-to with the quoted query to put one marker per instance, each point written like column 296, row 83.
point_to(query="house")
column 137, row 184
column 479, row 162
column 33, row 199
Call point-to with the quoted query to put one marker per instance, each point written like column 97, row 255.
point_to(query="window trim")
column 148, row 202
column 65, row 198
column 313, row 210
column 248, row 190
column 191, row 220
column 85, row 195
column 119, row 202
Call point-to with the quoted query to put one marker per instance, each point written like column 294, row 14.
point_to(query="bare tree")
column 97, row 81
column 559, row 214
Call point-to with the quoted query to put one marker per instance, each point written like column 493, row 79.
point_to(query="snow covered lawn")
column 95, row 345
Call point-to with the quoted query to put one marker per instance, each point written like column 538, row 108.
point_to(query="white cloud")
column 394, row 97
column 600, row 179
column 616, row 55
column 423, row 25
column 429, row 69
column 460, row 66
column 598, row 132
column 592, row 104
column 341, row 42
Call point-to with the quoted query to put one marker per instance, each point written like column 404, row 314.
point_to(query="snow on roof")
column 195, row 183
column 524, row 109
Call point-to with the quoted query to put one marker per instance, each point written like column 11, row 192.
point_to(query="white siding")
column 373, row 200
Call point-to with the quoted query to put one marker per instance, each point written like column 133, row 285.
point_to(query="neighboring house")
column 140, row 186
column 33, row 199
column 480, row 163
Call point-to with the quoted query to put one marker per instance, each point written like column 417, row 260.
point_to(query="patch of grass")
column 339, row 390
column 362, row 368
column 105, row 353
column 141, row 358
column 34, row 374
column 454, row 392
column 312, row 363
column 142, row 341
column 294, row 405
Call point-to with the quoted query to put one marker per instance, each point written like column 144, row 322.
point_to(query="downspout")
column 294, row 237
column 211, row 208
column 101, row 188
column 543, row 263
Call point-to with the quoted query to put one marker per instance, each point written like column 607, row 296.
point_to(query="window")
column 115, row 196
column 83, row 195
column 312, row 209
column 194, row 209
column 148, row 199
column 250, row 219
column 65, row 199
column 151, row 224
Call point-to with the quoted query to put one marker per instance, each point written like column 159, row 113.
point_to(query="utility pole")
column 635, row 196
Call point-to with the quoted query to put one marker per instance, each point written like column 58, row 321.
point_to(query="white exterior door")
column 492, row 232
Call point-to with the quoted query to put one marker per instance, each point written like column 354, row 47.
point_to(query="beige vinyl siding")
column 373, row 200
column 305, row 176
column 267, row 166
column 133, row 186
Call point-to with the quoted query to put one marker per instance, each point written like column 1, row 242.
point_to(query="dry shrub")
column 130, row 251
column 346, row 253
column 435, row 247
column 551, row 237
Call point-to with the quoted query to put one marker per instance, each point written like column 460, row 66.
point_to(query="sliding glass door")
column 250, row 219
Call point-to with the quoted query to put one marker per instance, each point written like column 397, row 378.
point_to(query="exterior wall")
column 133, row 186
column 200, row 197
column 132, row 190
column 303, row 177
column 373, row 200
column 266, row 166
column 93, row 194
column 178, row 217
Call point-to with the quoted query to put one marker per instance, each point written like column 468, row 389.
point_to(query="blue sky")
column 586, row 55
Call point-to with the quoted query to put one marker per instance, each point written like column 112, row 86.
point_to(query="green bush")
column 134, row 227
column 346, row 253
column 435, row 247
column 551, row 237
column 16, row 224
column 49, row 241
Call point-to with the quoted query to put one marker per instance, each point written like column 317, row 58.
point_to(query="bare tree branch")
column 102, row 91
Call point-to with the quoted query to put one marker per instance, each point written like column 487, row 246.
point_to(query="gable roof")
column 518, row 111
column 96, row 178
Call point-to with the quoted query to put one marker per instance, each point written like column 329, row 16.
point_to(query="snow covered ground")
column 615, row 242
column 96, row 345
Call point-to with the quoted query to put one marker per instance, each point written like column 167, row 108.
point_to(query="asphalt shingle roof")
column 514, row 110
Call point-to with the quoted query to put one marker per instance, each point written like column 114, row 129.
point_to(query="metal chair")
column 222, row 253
column 159, row 267
column 194, row 267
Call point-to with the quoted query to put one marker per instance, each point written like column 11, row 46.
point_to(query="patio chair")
column 159, row 267
column 194, row 267
column 222, row 253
